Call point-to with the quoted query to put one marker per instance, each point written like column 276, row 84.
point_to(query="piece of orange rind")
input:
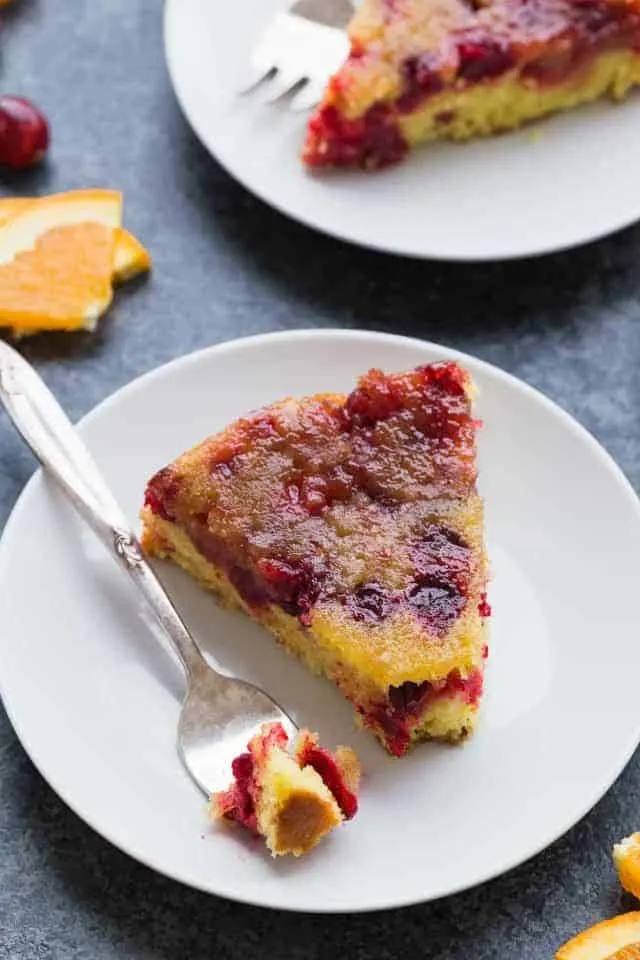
column 130, row 257
column 56, row 261
column 59, row 258
column 615, row 939
column 626, row 856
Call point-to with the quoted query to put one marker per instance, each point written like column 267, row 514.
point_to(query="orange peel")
column 615, row 939
column 130, row 258
column 56, row 261
column 626, row 856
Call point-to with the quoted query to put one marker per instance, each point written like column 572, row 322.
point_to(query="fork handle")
column 44, row 426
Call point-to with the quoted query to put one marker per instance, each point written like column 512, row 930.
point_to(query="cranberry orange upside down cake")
column 427, row 69
column 351, row 528
column 291, row 794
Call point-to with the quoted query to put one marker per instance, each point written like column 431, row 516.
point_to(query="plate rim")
column 541, row 249
column 302, row 335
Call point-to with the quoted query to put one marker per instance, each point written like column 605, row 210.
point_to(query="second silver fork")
column 300, row 49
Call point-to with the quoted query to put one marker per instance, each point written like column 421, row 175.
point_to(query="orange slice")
column 626, row 856
column 616, row 939
column 131, row 258
column 56, row 261
column 11, row 205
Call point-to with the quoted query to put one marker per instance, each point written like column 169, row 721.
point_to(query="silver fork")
column 301, row 48
column 219, row 714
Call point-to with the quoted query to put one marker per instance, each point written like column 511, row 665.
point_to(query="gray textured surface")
column 226, row 265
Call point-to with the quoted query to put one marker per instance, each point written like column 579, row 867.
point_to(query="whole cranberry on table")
column 24, row 132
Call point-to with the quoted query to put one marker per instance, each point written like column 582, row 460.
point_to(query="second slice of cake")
column 351, row 528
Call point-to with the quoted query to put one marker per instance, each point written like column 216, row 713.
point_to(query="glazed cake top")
column 405, row 50
column 361, row 507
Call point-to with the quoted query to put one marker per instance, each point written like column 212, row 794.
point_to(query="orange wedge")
column 11, row 205
column 616, row 939
column 131, row 258
column 56, row 261
column 626, row 856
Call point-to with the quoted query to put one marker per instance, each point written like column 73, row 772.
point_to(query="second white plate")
column 95, row 699
column 572, row 181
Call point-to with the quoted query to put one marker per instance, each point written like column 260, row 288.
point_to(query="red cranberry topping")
column 223, row 469
column 483, row 59
column 238, row 799
column 433, row 396
column 24, row 133
column 406, row 703
column 325, row 765
column 394, row 727
column 291, row 501
column 408, row 695
column 162, row 493
column 371, row 141
column 441, row 556
column 294, row 586
column 248, row 584
column 484, row 608
column 242, row 767
column 438, row 605
column 421, row 79
column 446, row 116
column 370, row 602
column 376, row 398
column 469, row 688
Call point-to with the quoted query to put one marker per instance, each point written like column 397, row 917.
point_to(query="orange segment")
column 11, row 205
column 606, row 941
column 131, row 258
column 56, row 261
column 626, row 856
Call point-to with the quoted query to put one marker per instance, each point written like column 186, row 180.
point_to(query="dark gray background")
column 225, row 265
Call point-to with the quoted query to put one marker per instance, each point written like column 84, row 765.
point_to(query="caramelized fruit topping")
column 339, row 490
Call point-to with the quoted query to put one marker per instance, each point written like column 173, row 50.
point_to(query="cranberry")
column 395, row 729
column 469, row 688
column 408, row 695
column 421, row 79
column 370, row 602
column 325, row 765
column 441, row 556
column 242, row 768
column 483, row 59
column 375, row 398
column 24, row 133
column 372, row 141
column 292, row 584
column 161, row 493
column 263, row 426
column 438, row 605
column 313, row 494
column 484, row 608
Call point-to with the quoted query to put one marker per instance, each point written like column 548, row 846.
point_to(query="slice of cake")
column 350, row 526
column 426, row 69
column 292, row 799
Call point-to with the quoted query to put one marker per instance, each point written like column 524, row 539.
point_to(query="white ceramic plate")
column 509, row 196
column 95, row 699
